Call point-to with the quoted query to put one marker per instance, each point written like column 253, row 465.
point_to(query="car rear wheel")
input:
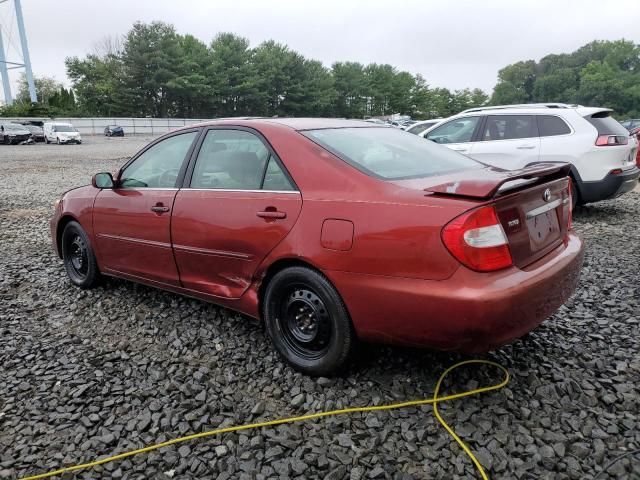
column 307, row 321
column 574, row 195
column 79, row 259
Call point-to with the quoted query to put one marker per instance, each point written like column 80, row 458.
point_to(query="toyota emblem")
column 547, row 195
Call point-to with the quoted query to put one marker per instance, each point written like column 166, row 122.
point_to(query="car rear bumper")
column 611, row 186
column 470, row 311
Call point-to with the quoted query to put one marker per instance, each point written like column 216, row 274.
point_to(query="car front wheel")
column 79, row 259
column 307, row 321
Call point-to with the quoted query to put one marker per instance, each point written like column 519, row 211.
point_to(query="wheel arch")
column 62, row 223
column 287, row 262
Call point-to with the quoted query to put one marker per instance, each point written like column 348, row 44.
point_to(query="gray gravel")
column 84, row 374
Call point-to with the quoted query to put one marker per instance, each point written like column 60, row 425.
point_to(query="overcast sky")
column 453, row 44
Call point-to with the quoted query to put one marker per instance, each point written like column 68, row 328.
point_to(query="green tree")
column 515, row 83
column 232, row 76
column 45, row 88
column 96, row 81
column 190, row 89
column 149, row 66
column 350, row 85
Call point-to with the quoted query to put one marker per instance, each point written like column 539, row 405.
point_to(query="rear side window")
column 549, row 125
column 606, row 124
column 389, row 153
column 508, row 127
column 237, row 160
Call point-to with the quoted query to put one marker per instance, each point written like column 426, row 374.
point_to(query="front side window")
column 508, row 127
column 158, row 166
column 389, row 153
column 550, row 125
column 459, row 130
column 237, row 160
column 418, row 129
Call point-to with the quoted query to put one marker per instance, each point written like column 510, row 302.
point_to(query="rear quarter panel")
column 396, row 230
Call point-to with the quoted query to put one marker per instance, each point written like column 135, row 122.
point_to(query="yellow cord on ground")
column 413, row 403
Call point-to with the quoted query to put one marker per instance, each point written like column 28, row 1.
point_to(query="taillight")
column 476, row 239
column 570, row 206
column 611, row 140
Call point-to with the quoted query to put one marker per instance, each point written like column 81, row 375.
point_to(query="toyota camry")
column 331, row 231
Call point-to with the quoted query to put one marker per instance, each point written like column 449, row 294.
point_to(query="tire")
column 574, row 195
column 78, row 257
column 7, row 141
column 321, row 341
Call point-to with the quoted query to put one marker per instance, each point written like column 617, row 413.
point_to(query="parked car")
column 599, row 149
column 12, row 133
column 113, row 131
column 61, row 133
column 631, row 124
column 398, row 240
column 37, row 133
column 419, row 127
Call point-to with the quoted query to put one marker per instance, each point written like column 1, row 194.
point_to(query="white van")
column 61, row 133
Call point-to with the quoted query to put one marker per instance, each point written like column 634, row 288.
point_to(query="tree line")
column 601, row 73
column 153, row 71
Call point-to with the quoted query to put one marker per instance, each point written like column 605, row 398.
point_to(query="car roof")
column 533, row 108
column 293, row 123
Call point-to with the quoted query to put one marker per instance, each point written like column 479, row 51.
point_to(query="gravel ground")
column 89, row 373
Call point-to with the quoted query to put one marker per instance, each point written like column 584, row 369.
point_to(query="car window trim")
column 166, row 136
column 186, row 181
column 296, row 192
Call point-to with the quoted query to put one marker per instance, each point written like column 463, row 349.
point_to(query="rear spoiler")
column 493, row 180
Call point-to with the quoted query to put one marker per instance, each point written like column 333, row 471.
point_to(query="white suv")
column 600, row 150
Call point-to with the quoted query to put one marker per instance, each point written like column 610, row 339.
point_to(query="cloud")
column 452, row 44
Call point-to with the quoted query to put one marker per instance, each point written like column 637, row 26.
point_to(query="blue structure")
column 4, row 73
column 4, row 68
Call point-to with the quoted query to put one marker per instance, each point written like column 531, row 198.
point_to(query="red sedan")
column 331, row 230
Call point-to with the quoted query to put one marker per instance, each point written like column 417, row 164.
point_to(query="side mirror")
column 102, row 180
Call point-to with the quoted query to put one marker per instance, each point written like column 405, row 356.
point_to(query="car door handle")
column 271, row 214
column 461, row 150
column 526, row 147
column 159, row 209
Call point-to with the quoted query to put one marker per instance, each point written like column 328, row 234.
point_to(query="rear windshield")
column 606, row 124
column 389, row 153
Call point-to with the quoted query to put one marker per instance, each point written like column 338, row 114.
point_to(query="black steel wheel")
column 307, row 321
column 79, row 259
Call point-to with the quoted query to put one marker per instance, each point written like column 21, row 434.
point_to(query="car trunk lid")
column 533, row 205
